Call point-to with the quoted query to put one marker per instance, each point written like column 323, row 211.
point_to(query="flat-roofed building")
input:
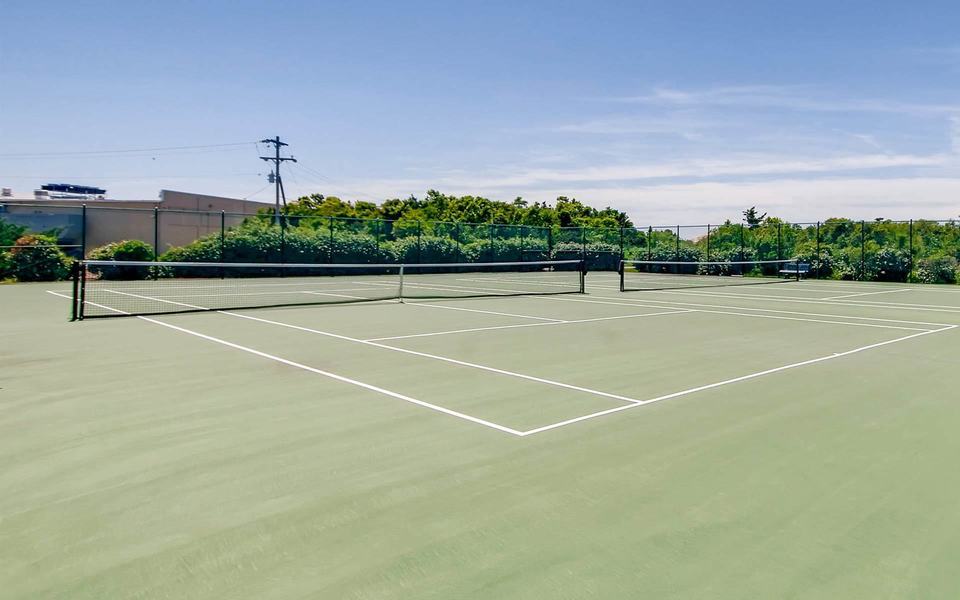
column 175, row 219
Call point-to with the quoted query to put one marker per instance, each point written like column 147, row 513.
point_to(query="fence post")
column 583, row 243
column 649, row 242
column 83, row 232
column 523, row 240
column 456, row 233
column 677, row 252
column 910, row 235
column 550, row 243
column 819, row 257
column 779, row 241
column 490, row 253
column 863, row 242
column 708, row 242
column 223, row 235
column 741, row 245
column 419, row 242
column 283, row 239
column 376, row 225
column 156, row 233
column 330, row 248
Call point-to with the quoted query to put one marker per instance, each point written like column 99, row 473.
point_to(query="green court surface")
column 796, row 440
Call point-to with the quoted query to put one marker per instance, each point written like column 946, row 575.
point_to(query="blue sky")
column 672, row 111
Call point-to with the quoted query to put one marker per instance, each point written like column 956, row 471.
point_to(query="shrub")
column 431, row 249
column 6, row 266
column 123, row 250
column 937, row 269
column 37, row 258
column 890, row 264
column 10, row 233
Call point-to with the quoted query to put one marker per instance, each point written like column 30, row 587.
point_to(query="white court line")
column 507, row 292
column 406, row 351
column 729, row 381
column 633, row 403
column 796, row 300
column 727, row 312
column 417, row 335
column 634, row 301
column 462, row 288
column 489, row 312
column 340, row 378
column 440, row 358
column 270, row 293
column 343, row 295
column 756, row 316
column 614, row 285
column 865, row 294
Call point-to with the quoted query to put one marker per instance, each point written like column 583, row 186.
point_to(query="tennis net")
column 127, row 288
column 639, row 275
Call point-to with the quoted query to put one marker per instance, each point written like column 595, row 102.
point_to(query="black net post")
column 621, row 243
column 83, row 232
column 74, row 310
column 819, row 256
column 620, row 269
column 797, row 267
column 550, row 242
column 82, row 300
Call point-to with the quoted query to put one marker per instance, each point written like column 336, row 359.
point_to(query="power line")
column 52, row 177
column 326, row 182
column 256, row 192
column 123, row 151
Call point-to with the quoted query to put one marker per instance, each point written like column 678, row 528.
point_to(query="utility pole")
column 276, row 159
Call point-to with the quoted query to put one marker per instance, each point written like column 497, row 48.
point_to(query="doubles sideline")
column 631, row 403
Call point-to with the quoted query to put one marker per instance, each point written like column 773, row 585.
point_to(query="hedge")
column 37, row 258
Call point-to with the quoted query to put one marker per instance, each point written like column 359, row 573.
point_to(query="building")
column 85, row 221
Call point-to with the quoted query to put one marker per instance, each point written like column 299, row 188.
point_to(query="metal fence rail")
column 836, row 248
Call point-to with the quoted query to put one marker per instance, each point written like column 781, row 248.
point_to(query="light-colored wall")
column 183, row 217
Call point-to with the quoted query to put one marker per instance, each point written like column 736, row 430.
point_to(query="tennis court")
column 494, row 435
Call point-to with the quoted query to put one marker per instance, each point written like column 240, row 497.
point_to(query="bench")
column 797, row 270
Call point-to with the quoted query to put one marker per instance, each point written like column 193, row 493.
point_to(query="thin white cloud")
column 685, row 169
column 955, row 134
column 783, row 97
column 680, row 126
column 798, row 200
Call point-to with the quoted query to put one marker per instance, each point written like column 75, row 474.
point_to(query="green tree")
column 751, row 218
